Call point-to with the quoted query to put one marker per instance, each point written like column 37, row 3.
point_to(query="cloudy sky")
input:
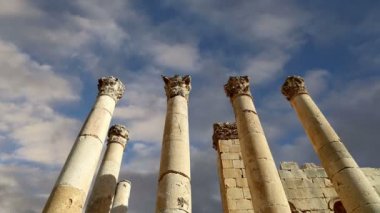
column 53, row 52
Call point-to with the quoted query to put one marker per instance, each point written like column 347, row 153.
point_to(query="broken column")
column 349, row 181
column 234, row 190
column 70, row 190
column 264, row 183
column 106, row 180
column 121, row 200
column 174, row 190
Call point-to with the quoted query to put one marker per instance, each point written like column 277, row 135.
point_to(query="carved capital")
column 111, row 86
column 177, row 85
column 237, row 85
column 224, row 131
column 293, row 86
column 118, row 134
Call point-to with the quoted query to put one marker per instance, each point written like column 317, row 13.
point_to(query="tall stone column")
column 120, row 203
column 264, row 183
column 174, row 190
column 70, row 191
column 352, row 186
column 106, row 181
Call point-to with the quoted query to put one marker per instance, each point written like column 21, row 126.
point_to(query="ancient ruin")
column 106, row 181
column 121, row 200
column 174, row 189
column 71, row 189
column 264, row 183
column 248, row 176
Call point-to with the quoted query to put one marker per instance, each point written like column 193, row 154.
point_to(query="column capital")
column 118, row 134
column 177, row 85
column 224, row 131
column 111, row 86
column 236, row 86
column 293, row 86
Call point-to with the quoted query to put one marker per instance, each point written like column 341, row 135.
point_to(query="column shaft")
column 120, row 203
column 105, row 184
column 70, row 191
column 174, row 190
column 350, row 183
column 266, row 189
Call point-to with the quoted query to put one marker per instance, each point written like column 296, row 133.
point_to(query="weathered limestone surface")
column 174, row 190
column 307, row 187
column 349, row 181
column 265, row 186
column 121, row 200
column 72, row 186
column 105, row 184
column 235, row 193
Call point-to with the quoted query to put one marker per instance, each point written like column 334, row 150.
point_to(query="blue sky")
column 52, row 53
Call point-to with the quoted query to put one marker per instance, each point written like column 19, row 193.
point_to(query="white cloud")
column 182, row 57
column 28, row 91
column 265, row 66
column 316, row 81
column 23, row 189
column 23, row 78
column 17, row 8
column 146, row 158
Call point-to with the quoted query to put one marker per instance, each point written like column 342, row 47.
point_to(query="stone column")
column 267, row 192
column 349, row 181
column 70, row 191
column 120, row 203
column 105, row 183
column 174, row 190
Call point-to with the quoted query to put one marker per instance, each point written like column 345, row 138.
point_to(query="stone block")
column 289, row 166
column 329, row 192
column 309, row 166
column 234, row 193
column 308, row 205
column 244, row 204
column 285, row 174
column 371, row 171
column 224, row 147
column 232, row 173
column 299, row 174
column 235, row 141
column 311, row 173
column 291, row 193
column 235, row 148
column 321, row 173
column 241, row 182
column 319, row 182
column 296, row 183
column 246, row 193
column 231, row 204
column 229, row 183
column 238, row 164
column 230, row 156
column 227, row 164
column 315, row 192
column 317, row 204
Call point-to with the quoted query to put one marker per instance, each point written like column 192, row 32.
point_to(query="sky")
column 53, row 52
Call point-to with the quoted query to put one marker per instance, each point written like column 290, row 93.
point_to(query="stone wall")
column 309, row 190
column 236, row 197
column 307, row 187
